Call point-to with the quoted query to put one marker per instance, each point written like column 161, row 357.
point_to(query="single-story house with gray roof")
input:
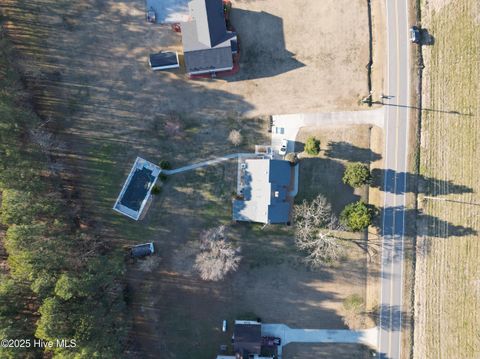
column 265, row 191
column 207, row 44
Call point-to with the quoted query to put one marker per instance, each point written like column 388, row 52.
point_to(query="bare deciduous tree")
column 316, row 213
column 235, row 137
column 217, row 255
column 314, row 231
column 173, row 125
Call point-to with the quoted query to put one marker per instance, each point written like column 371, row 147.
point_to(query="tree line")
column 62, row 281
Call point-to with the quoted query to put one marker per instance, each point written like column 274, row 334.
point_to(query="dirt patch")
column 317, row 351
column 180, row 315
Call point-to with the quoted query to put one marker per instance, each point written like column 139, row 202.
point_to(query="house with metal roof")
column 137, row 189
column 207, row 44
column 264, row 191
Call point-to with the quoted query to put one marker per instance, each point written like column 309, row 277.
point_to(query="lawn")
column 447, row 298
column 339, row 145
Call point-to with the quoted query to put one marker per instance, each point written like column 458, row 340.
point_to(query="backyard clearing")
column 322, row 174
column 447, row 290
column 296, row 56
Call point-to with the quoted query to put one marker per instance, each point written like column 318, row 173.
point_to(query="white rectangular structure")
column 137, row 189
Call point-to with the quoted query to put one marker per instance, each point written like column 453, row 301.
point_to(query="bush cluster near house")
column 165, row 165
column 291, row 157
column 356, row 216
column 63, row 282
column 312, row 146
column 356, row 174
column 354, row 308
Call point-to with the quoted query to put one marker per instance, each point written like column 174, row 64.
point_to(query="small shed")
column 142, row 250
column 164, row 60
column 137, row 189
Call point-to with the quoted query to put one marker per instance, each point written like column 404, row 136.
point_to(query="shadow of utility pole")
column 425, row 198
column 423, row 109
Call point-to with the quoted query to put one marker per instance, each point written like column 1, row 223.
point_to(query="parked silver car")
column 283, row 148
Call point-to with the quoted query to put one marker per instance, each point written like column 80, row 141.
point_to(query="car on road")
column 283, row 148
column 415, row 35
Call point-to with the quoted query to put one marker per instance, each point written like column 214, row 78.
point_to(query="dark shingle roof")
column 215, row 22
column 137, row 189
column 248, row 339
column 209, row 59
column 166, row 58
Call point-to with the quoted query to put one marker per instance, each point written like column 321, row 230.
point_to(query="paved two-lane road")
column 396, row 150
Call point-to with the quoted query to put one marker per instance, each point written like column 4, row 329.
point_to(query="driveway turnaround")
column 366, row 337
column 287, row 126
column 396, row 151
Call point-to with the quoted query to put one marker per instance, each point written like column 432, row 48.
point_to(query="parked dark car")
column 142, row 250
column 415, row 35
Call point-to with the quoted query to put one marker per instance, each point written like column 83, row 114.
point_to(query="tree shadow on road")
column 388, row 180
column 431, row 226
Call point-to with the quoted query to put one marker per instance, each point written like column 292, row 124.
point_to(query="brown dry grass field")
column 447, row 291
column 337, row 351
column 85, row 63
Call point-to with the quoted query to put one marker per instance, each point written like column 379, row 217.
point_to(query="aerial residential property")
column 239, row 179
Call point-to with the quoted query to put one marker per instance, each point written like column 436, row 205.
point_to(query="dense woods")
column 61, row 282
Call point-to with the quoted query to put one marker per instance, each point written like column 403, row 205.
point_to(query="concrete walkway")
column 367, row 337
column 207, row 163
column 287, row 126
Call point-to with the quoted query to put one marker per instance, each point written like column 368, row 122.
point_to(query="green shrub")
column 291, row 157
column 163, row 177
column 312, row 146
column 356, row 216
column 356, row 175
column 165, row 165
column 156, row 190
column 354, row 303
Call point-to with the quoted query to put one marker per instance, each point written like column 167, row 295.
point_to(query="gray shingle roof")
column 208, row 60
